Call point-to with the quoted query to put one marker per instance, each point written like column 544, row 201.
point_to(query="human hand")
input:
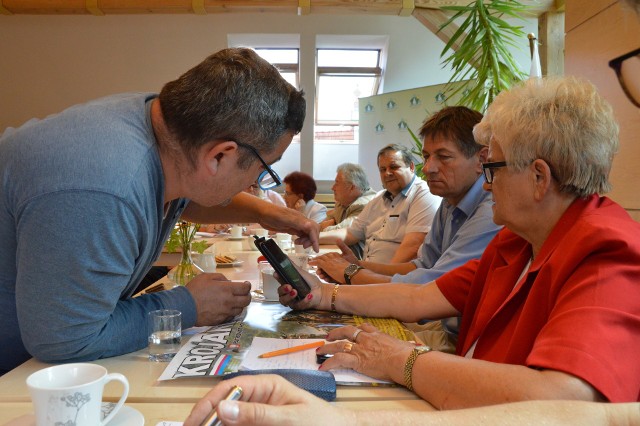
column 288, row 294
column 283, row 219
column 218, row 300
column 347, row 253
column 368, row 351
column 332, row 265
column 324, row 276
column 267, row 400
column 300, row 204
column 325, row 223
column 218, row 227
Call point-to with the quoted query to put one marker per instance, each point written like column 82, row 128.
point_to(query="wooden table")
column 21, row 412
column 148, row 395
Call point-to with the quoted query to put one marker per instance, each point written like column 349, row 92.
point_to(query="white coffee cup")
column 260, row 232
column 300, row 259
column 249, row 243
column 269, row 285
column 284, row 241
column 72, row 394
column 236, row 231
column 207, row 260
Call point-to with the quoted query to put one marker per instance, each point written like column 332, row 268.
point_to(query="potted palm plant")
column 483, row 60
column 482, row 64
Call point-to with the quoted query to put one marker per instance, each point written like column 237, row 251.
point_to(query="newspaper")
column 302, row 360
column 220, row 349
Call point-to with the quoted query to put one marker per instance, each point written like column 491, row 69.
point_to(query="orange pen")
column 292, row 349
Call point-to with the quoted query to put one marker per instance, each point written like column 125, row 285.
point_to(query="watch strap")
column 408, row 366
column 350, row 271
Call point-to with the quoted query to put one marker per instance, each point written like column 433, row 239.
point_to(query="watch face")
column 351, row 269
column 422, row 349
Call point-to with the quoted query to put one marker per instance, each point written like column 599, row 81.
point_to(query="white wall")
column 48, row 63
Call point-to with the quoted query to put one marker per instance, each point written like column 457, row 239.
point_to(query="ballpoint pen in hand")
column 212, row 419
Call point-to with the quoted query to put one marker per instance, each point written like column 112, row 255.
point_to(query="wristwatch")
column 350, row 271
column 408, row 366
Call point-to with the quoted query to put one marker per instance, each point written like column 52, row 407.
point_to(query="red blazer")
column 578, row 309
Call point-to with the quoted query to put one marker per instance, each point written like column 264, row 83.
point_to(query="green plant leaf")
column 483, row 38
column 199, row 246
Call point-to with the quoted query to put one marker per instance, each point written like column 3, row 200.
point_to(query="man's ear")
column 213, row 154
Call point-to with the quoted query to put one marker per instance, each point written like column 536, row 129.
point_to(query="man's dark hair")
column 454, row 123
column 233, row 94
column 403, row 150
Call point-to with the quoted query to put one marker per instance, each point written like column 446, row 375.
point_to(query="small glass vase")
column 186, row 269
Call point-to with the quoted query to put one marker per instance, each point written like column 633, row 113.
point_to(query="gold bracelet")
column 333, row 297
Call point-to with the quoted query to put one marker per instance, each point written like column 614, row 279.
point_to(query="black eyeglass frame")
column 267, row 170
column 487, row 170
column 616, row 65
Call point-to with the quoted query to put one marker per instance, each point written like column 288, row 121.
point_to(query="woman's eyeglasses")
column 488, row 170
column 627, row 68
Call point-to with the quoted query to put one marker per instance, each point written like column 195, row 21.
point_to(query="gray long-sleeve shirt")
column 81, row 223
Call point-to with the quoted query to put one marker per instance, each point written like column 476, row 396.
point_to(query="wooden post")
column 551, row 36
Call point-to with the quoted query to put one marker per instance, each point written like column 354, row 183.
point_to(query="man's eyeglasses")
column 488, row 170
column 627, row 68
column 268, row 178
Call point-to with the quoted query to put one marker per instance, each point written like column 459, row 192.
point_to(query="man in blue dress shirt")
column 462, row 226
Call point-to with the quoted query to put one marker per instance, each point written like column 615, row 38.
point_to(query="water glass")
column 267, row 283
column 165, row 330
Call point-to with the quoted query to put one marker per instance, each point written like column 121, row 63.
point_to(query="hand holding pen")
column 212, row 419
column 267, row 400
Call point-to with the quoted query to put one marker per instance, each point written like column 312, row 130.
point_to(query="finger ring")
column 355, row 335
column 347, row 347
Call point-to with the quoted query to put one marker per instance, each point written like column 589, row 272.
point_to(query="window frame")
column 350, row 71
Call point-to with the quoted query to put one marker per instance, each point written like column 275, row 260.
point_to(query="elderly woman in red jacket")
column 552, row 309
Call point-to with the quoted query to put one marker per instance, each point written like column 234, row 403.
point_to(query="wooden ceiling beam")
column 345, row 7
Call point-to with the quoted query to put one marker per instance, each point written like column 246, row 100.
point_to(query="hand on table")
column 369, row 351
column 331, row 267
column 215, row 228
column 217, row 299
column 267, row 400
column 326, row 223
column 347, row 253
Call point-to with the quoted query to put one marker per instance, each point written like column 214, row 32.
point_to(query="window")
column 334, row 73
column 286, row 60
column 344, row 75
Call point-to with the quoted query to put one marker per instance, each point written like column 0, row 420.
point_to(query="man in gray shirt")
column 90, row 195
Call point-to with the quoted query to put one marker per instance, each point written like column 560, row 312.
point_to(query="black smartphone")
column 282, row 265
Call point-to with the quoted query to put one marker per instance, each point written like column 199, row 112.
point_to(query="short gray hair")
column 354, row 174
column 233, row 94
column 563, row 121
column 403, row 150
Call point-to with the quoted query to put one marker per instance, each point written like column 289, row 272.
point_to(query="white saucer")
column 127, row 416
column 235, row 238
column 230, row 265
